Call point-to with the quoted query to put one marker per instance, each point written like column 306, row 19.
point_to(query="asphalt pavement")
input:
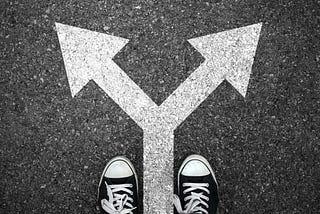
column 264, row 148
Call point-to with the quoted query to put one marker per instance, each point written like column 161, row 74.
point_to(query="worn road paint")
column 88, row 56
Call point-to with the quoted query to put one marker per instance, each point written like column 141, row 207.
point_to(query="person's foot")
column 118, row 188
column 197, row 187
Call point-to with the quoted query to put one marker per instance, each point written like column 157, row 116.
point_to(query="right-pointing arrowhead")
column 230, row 54
column 86, row 53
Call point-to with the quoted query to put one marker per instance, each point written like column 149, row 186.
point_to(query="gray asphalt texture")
column 264, row 148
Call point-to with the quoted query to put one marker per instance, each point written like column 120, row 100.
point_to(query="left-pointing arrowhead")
column 230, row 54
column 86, row 53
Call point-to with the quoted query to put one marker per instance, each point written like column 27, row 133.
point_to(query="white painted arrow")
column 88, row 56
column 228, row 55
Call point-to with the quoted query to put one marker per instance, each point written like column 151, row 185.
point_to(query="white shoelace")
column 194, row 200
column 117, row 202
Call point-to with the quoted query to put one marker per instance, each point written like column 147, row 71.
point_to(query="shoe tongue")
column 195, row 179
column 116, row 181
column 214, row 198
column 200, row 179
column 126, row 180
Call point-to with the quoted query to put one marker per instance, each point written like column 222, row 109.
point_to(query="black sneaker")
column 197, row 187
column 118, row 188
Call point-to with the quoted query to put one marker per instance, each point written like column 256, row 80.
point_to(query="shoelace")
column 194, row 200
column 117, row 202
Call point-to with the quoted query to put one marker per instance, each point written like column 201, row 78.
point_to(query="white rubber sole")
column 199, row 158
column 118, row 158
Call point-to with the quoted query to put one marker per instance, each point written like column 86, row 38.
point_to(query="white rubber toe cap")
column 195, row 168
column 118, row 169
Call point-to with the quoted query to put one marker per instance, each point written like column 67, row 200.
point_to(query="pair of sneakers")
column 197, row 188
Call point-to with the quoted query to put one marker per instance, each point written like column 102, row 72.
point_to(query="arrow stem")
column 158, row 171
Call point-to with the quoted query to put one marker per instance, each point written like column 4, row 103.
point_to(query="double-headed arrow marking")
column 228, row 56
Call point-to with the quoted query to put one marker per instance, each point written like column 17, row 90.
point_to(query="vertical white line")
column 158, row 171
